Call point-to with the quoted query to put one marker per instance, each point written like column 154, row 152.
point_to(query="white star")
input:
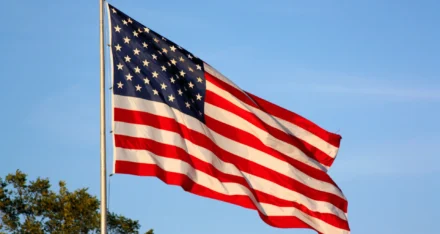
column 198, row 67
column 181, row 59
column 199, row 97
column 165, row 50
column 156, row 40
column 145, row 63
column 173, row 80
column 187, row 104
column 164, row 39
column 113, row 9
column 199, row 80
column 138, row 88
column 124, row 22
column 173, row 61
column 190, row 84
column 189, row 56
column 190, row 69
column 169, row 64
column 145, row 45
column 120, row 84
column 129, row 20
column 182, row 73
column 129, row 76
column 136, row 51
column 164, row 68
column 135, row 33
column 117, row 28
column 155, row 74
column 155, row 92
column 154, row 56
column 171, row 98
column 127, row 58
column 147, row 30
column 137, row 70
column 146, row 80
column 126, row 40
column 172, row 48
column 163, row 86
column 120, row 66
column 118, row 47
column 180, row 92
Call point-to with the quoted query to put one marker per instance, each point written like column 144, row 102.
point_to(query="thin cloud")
column 403, row 89
column 381, row 168
column 376, row 91
column 391, row 160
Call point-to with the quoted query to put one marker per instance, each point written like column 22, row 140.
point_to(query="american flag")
column 177, row 118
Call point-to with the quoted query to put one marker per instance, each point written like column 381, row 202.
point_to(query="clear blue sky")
column 369, row 69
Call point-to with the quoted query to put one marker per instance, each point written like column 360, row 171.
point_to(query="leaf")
column 32, row 207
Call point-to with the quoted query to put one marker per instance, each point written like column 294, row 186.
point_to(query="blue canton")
column 149, row 66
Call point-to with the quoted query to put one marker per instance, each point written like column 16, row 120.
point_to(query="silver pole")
column 102, row 131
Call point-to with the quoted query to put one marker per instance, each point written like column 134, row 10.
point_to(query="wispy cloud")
column 386, row 165
column 390, row 88
column 431, row 94
column 391, row 160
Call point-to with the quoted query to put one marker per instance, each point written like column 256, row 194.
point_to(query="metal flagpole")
column 102, row 131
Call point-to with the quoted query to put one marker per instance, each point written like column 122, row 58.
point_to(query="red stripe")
column 252, row 141
column 171, row 178
column 170, row 151
column 200, row 139
column 143, row 118
column 305, row 147
column 285, row 221
column 282, row 113
column 275, row 110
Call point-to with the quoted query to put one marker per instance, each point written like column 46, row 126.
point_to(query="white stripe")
column 326, row 228
column 238, row 122
column 264, row 136
column 260, row 184
column 273, row 121
column 230, row 189
column 267, row 139
column 111, row 70
column 164, row 110
column 220, row 76
column 227, row 144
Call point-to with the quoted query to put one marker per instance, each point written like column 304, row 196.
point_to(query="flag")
column 177, row 118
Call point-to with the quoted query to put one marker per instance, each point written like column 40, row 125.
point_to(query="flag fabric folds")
column 177, row 118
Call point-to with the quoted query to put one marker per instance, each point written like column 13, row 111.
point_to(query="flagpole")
column 102, row 130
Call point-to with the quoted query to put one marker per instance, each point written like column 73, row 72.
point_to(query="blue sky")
column 369, row 70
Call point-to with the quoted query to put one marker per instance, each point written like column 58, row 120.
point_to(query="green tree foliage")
column 31, row 207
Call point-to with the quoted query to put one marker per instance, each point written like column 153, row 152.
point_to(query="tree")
column 31, row 207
